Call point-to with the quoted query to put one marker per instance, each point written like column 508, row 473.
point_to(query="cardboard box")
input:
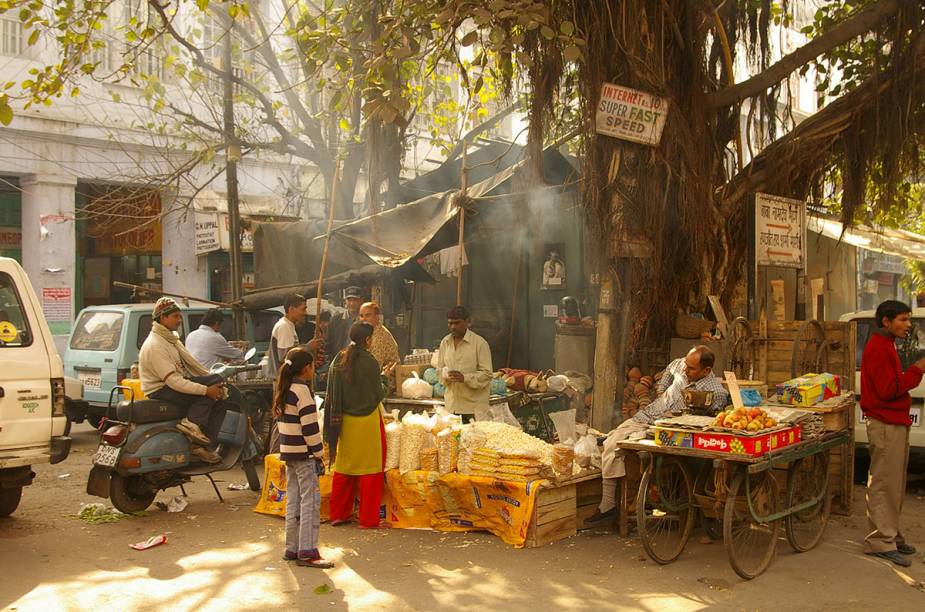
column 809, row 390
column 753, row 445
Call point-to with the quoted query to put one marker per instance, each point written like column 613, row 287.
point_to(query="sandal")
column 316, row 563
column 339, row 522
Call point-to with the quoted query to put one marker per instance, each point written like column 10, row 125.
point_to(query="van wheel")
column 250, row 470
column 130, row 493
column 9, row 500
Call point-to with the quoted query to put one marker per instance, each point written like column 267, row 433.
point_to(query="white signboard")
column 780, row 232
column 207, row 233
column 247, row 236
column 630, row 114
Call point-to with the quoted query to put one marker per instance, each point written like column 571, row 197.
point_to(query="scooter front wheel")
column 130, row 493
column 250, row 471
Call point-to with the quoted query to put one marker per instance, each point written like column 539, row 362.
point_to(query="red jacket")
column 884, row 385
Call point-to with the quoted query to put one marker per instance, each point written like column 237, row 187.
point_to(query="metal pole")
column 232, row 154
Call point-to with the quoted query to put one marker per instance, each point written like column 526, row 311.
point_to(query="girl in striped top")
column 301, row 449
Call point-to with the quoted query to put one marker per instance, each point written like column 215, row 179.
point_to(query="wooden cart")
column 737, row 498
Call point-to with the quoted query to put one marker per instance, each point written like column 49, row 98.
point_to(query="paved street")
column 223, row 556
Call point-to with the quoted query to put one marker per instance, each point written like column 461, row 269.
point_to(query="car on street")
column 33, row 421
column 105, row 342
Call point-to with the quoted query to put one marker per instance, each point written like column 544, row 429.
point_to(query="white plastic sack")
column 564, row 422
column 585, row 451
column 416, row 388
column 501, row 413
column 557, row 383
column 392, row 445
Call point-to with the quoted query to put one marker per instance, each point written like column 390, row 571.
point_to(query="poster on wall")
column 58, row 309
column 207, row 233
column 554, row 267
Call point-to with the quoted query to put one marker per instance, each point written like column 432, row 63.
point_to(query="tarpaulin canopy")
column 902, row 243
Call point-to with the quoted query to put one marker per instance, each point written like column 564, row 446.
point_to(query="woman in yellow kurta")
column 354, row 430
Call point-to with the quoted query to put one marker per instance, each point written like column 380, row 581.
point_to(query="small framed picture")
column 554, row 267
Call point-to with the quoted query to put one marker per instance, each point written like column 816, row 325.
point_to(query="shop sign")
column 631, row 115
column 58, row 309
column 10, row 238
column 247, row 236
column 780, row 232
column 872, row 261
column 207, row 233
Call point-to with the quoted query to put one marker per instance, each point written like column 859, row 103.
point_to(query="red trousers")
column 343, row 493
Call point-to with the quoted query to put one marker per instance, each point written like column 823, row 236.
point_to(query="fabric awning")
column 902, row 243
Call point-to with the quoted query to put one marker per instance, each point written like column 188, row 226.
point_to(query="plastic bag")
column 585, row 450
column 501, row 413
column 413, row 433
column 439, row 390
column 447, row 450
column 751, row 397
column 469, row 440
column 415, row 388
column 430, row 375
column 392, row 444
column 498, row 386
column 564, row 422
column 557, row 383
column 563, row 456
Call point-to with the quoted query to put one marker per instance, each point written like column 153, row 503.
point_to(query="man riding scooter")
column 170, row 373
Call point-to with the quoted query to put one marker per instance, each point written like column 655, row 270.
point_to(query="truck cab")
column 33, row 420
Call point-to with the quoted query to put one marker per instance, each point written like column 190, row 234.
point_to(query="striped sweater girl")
column 299, row 432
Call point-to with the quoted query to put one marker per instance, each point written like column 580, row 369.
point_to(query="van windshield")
column 98, row 330
column 910, row 348
column 14, row 326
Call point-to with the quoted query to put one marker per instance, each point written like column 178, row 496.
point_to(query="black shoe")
column 905, row 549
column 600, row 517
column 894, row 556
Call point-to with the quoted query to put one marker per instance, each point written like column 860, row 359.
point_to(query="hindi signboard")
column 780, row 232
column 58, row 309
column 631, row 115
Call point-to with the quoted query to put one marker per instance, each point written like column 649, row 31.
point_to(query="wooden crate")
column 562, row 507
column 775, row 340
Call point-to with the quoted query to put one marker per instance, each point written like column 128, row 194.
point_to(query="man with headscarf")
column 170, row 373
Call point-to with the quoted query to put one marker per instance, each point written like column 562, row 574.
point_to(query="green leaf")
column 547, row 32
column 33, row 37
column 6, row 114
column 344, row 125
column 571, row 53
column 469, row 38
column 567, row 28
column 323, row 589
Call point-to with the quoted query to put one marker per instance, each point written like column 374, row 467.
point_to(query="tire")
column 751, row 545
column 250, row 471
column 804, row 482
column 9, row 500
column 95, row 420
column 130, row 493
column 665, row 511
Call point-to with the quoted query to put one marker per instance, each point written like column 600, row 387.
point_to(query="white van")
column 33, row 421
column 910, row 350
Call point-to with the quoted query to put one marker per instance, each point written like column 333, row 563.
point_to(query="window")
column 910, row 348
column 14, row 325
column 145, row 56
column 10, row 36
column 864, row 326
column 226, row 330
column 98, row 331
column 144, row 328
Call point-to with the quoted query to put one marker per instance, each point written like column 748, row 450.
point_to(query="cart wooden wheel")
column 810, row 349
column 807, row 481
column 742, row 355
column 751, row 544
column 665, row 510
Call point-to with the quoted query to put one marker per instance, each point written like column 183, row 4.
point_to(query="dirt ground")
column 224, row 556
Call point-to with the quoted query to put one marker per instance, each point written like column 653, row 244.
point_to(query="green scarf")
column 359, row 396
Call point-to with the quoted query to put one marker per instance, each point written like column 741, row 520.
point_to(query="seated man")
column 695, row 371
column 169, row 373
column 208, row 345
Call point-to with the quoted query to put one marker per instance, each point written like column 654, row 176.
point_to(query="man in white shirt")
column 208, row 345
column 284, row 336
column 464, row 366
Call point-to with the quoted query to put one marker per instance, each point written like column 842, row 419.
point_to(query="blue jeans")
column 303, row 508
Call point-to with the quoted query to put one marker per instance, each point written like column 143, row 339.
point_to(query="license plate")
column 90, row 380
column 106, row 455
column 915, row 412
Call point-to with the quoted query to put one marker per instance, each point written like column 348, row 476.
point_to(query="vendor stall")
column 732, row 469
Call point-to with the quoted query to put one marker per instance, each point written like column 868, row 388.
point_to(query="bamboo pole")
column 464, row 186
column 139, row 290
column 324, row 253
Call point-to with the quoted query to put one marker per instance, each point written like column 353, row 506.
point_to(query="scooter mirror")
column 250, row 353
column 218, row 368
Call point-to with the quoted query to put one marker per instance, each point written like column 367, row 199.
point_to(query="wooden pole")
column 139, row 290
column 324, row 253
column 510, row 338
column 411, row 334
column 464, row 186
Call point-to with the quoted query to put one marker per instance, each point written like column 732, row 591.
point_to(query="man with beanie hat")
column 168, row 372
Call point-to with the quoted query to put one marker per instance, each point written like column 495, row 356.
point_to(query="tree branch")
column 866, row 20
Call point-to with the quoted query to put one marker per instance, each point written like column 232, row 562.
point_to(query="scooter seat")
column 149, row 411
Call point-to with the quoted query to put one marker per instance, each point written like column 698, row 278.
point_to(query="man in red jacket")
column 885, row 401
